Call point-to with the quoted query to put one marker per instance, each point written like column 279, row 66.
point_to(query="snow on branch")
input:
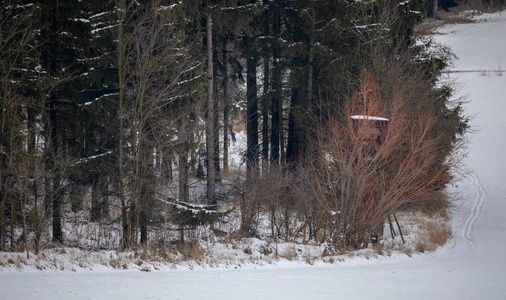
column 98, row 98
column 87, row 159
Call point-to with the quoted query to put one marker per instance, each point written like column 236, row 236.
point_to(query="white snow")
column 100, row 14
column 103, row 28
column 98, row 98
column 372, row 118
column 472, row 266
column 479, row 44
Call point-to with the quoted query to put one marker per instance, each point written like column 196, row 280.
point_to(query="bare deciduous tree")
column 151, row 62
column 365, row 172
column 18, row 158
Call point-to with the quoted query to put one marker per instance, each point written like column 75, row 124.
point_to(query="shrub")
column 366, row 171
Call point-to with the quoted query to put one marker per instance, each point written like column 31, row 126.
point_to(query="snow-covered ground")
column 472, row 266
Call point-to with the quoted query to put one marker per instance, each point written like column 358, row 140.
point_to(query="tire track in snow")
column 476, row 210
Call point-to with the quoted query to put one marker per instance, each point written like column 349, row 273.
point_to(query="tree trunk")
column 105, row 200
column 132, row 219
column 147, row 208
column 167, row 165
column 211, row 176
column 226, row 103
column 122, row 69
column 76, row 197
column 2, row 207
column 226, row 125
column 277, row 94
column 216, row 125
column 282, row 153
column 275, row 118
column 299, row 107
column 184, row 194
column 144, row 234
column 433, row 6
column 265, row 115
column 310, row 70
column 12, row 226
column 252, row 116
column 57, row 210
column 96, row 209
column 292, row 149
column 55, row 190
column 266, row 98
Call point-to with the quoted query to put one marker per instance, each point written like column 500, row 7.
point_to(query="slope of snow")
column 473, row 266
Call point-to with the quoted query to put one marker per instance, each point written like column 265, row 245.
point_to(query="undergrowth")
column 422, row 233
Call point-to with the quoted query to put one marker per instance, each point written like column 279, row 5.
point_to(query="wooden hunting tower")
column 373, row 127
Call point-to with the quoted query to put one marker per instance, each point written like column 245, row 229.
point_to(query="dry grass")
column 266, row 250
column 429, row 26
column 289, row 253
column 461, row 14
column 479, row 6
column 310, row 258
column 380, row 249
column 191, row 250
column 457, row 17
column 435, row 233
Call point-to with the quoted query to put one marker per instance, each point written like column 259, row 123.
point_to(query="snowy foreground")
column 471, row 266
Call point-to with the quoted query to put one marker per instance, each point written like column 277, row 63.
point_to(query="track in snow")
column 476, row 210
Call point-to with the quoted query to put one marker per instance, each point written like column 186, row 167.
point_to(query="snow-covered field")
column 471, row 266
